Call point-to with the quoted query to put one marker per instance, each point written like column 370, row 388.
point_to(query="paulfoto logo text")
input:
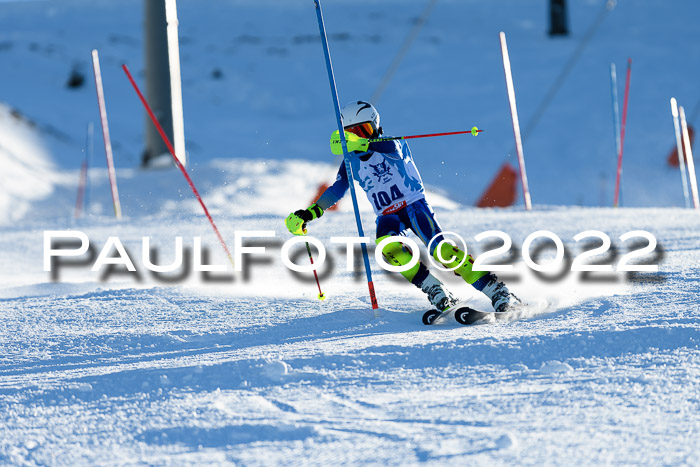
column 59, row 245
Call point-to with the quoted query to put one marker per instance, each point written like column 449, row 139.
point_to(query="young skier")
column 387, row 173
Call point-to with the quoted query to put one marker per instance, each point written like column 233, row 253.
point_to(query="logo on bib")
column 382, row 171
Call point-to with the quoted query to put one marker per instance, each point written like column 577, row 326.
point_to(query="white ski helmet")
column 357, row 112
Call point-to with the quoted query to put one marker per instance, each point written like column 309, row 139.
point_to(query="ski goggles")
column 363, row 130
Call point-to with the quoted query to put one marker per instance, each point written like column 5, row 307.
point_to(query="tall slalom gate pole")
column 679, row 149
column 81, row 190
column 689, row 157
column 622, row 134
column 81, row 201
column 177, row 161
column 105, row 134
column 516, row 122
column 89, row 152
column 175, row 81
column 346, row 155
column 615, row 107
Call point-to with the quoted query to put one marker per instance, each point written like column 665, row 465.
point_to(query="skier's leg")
column 396, row 254
column 453, row 258
column 423, row 222
column 487, row 282
column 502, row 299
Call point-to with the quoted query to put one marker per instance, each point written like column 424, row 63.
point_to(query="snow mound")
column 555, row 366
column 27, row 168
column 507, row 441
column 275, row 370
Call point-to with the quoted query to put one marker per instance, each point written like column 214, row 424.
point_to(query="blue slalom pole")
column 346, row 155
column 615, row 109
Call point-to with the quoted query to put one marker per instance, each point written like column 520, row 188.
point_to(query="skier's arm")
column 390, row 149
column 336, row 191
column 296, row 221
column 353, row 142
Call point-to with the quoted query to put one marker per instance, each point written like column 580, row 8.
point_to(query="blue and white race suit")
column 393, row 186
column 386, row 173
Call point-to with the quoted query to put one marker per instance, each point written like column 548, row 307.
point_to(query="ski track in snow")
column 259, row 372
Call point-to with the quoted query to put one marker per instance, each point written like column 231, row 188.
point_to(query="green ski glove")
column 355, row 143
column 296, row 221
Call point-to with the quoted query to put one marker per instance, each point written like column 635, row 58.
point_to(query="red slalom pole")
column 622, row 134
column 81, row 190
column 177, row 161
column 473, row 131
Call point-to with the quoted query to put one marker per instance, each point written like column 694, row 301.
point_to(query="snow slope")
column 27, row 172
column 252, row 369
column 249, row 368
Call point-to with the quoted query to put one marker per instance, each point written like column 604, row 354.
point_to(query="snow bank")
column 26, row 174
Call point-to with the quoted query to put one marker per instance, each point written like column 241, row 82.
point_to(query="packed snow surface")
column 251, row 368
